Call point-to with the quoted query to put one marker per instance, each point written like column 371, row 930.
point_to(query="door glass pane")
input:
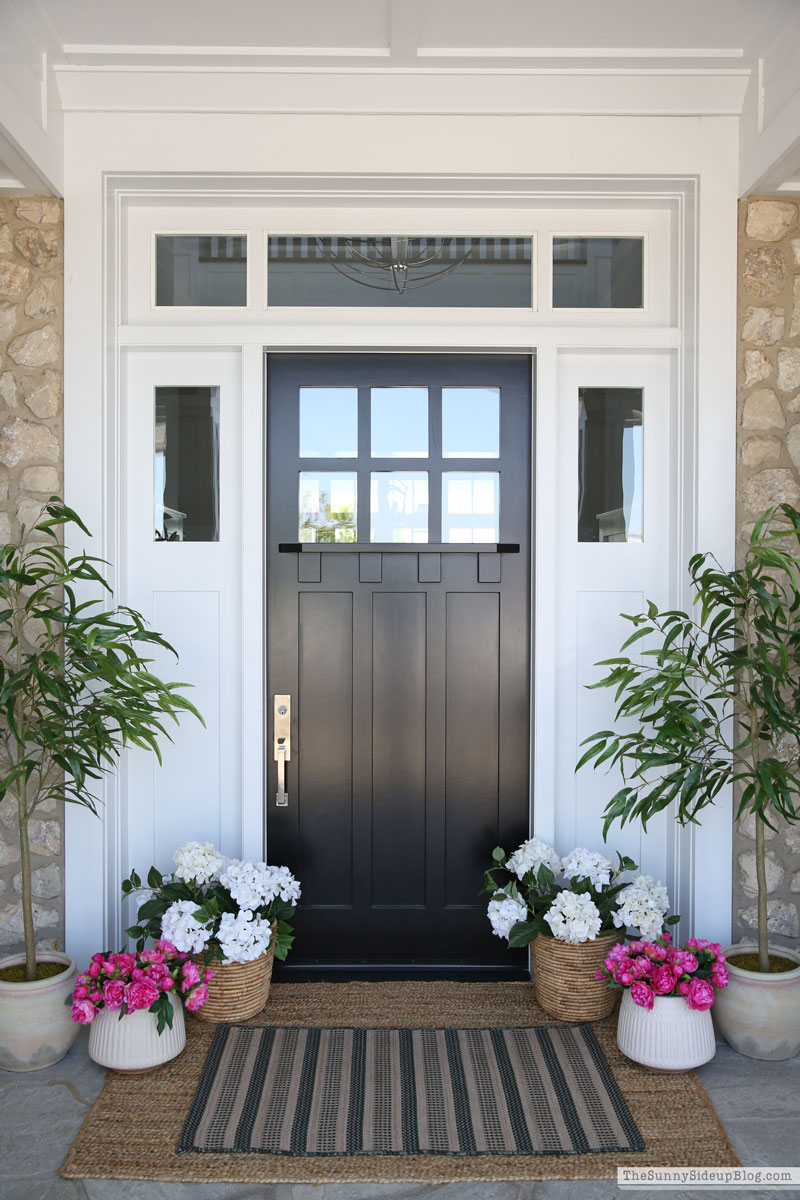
column 328, row 422
column 610, row 506
column 186, row 467
column 399, row 422
column 598, row 272
column 399, row 506
column 400, row 272
column 470, row 422
column 470, row 506
column 201, row 271
column 328, row 506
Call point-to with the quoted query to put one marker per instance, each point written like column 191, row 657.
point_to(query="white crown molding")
column 569, row 52
column 596, row 91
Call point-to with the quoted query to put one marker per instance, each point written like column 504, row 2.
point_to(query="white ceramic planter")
column 36, row 1027
column 759, row 1013
column 669, row 1037
column 133, row 1043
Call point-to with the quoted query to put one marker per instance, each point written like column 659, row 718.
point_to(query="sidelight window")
column 610, row 506
column 186, row 464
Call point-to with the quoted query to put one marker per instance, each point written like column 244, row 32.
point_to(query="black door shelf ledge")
column 398, row 547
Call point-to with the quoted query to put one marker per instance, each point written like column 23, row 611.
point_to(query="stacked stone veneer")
column 768, row 473
column 31, row 440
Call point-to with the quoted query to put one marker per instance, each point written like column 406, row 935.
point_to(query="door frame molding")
column 92, row 911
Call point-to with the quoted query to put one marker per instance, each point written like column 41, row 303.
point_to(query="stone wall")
column 768, row 473
column 31, row 441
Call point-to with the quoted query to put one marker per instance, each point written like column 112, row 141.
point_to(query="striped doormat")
column 308, row 1092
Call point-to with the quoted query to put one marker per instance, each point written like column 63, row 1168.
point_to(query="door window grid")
column 448, row 426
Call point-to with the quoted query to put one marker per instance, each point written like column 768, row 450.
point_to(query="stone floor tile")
column 51, row 1187
column 145, row 1189
column 766, row 1142
column 37, row 1127
column 75, row 1065
column 579, row 1189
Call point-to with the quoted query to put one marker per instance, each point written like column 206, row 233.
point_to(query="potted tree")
column 75, row 688
column 712, row 701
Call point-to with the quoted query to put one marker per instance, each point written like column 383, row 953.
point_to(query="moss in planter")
column 44, row 970
column 749, row 962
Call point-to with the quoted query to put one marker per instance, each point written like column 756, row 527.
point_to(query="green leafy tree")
column 75, row 686
column 714, row 700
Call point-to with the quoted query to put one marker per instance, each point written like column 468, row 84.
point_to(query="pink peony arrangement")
column 125, row 983
column 658, row 968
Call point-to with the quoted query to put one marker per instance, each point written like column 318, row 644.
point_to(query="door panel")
column 407, row 662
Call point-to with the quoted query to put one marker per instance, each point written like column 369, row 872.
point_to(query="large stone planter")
column 759, row 1013
column 36, row 1026
column 132, row 1043
column 669, row 1037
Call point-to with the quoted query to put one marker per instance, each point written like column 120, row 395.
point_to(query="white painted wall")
column 417, row 169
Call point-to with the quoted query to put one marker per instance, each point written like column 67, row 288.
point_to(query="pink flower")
column 167, row 983
column 616, row 952
column 666, row 935
column 83, row 1011
column 165, row 948
column 690, row 963
column 700, row 995
column 197, row 997
column 152, row 956
column 642, row 994
column 191, row 975
column 113, row 994
column 683, row 987
column 95, row 996
column 642, row 968
column 96, row 967
column 635, row 947
column 599, row 973
column 137, row 973
column 719, row 976
column 80, row 992
column 98, row 958
column 158, row 972
column 658, row 953
column 663, row 981
column 126, row 963
column 141, row 994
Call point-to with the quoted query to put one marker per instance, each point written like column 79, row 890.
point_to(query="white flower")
column 504, row 915
column 587, row 864
column 243, row 937
column 197, row 862
column 531, row 855
column 252, row 885
column 573, row 917
column 642, row 905
column 179, row 927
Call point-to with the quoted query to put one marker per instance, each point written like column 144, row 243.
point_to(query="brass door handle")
column 282, row 744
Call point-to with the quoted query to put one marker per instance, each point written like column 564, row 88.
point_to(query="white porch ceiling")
column 503, row 32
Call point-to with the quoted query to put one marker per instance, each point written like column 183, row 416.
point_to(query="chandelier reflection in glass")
column 399, row 264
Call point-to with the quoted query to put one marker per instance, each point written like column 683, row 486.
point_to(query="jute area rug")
column 133, row 1130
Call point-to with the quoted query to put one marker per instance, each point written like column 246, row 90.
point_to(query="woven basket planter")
column 564, row 977
column 238, row 990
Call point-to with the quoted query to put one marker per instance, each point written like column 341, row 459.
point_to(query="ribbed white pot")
column 759, row 1013
column 132, row 1043
column 36, row 1027
column 669, row 1037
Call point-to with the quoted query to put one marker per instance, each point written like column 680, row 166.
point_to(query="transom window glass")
column 598, row 272
column 389, row 271
column 186, row 466
column 201, row 271
column 610, row 468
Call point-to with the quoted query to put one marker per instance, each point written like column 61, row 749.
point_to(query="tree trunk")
column 761, row 880
column 27, row 899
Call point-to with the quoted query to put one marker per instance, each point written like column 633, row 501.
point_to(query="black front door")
column 399, row 635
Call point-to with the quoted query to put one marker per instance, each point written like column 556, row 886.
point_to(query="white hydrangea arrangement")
column 643, row 904
column 591, row 897
column 225, row 908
